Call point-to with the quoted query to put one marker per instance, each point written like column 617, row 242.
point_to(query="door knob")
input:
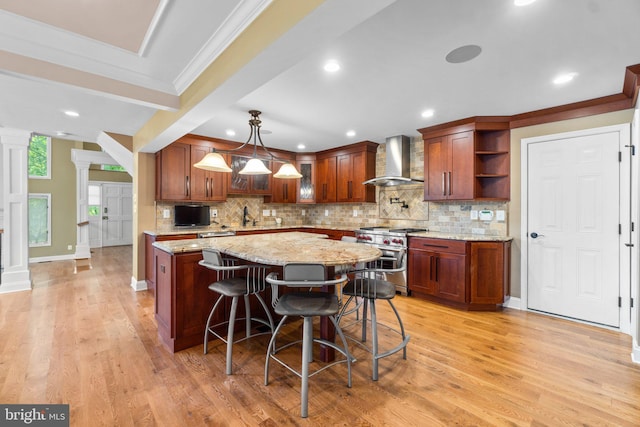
column 535, row 235
column 105, row 217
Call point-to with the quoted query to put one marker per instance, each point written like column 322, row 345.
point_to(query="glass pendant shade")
column 213, row 162
column 287, row 171
column 255, row 166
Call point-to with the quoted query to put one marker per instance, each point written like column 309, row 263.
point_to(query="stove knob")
column 385, row 241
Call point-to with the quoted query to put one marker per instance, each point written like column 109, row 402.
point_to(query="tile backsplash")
column 408, row 208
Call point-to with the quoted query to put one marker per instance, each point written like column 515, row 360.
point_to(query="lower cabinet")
column 472, row 275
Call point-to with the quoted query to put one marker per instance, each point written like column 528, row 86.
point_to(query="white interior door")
column 117, row 219
column 573, row 217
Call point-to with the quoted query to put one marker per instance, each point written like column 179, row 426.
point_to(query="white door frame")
column 625, row 208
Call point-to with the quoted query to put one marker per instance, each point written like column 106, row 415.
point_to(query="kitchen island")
column 183, row 299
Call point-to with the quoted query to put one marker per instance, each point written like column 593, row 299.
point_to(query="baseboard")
column 635, row 352
column 138, row 285
column 513, row 302
column 52, row 258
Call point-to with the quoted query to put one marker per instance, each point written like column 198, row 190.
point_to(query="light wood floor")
column 87, row 339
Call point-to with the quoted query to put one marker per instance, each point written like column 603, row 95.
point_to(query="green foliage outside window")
column 116, row 168
column 94, row 210
column 38, row 156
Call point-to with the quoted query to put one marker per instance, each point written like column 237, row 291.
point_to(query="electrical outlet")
column 266, row 212
column 474, row 215
column 273, row 212
column 69, row 247
column 500, row 216
column 355, row 212
column 214, row 213
column 166, row 214
column 303, row 212
column 326, row 212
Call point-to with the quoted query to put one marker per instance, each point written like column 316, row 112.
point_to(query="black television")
column 191, row 215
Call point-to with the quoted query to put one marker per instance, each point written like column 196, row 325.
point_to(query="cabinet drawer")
column 438, row 245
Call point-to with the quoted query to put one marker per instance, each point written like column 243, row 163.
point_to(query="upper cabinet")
column 341, row 172
column 306, row 186
column 206, row 185
column 173, row 172
column 283, row 189
column 467, row 160
column 178, row 180
column 247, row 184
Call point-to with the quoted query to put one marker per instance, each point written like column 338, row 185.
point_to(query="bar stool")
column 306, row 304
column 230, row 286
column 370, row 284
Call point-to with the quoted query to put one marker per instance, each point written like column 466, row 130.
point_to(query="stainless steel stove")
column 390, row 241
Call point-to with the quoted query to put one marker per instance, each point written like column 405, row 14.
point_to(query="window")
column 39, row 157
column 115, row 168
column 94, row 200
column 39, row 220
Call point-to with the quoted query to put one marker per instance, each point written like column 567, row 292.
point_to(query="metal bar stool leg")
column 307, row 343
column 206, row 331
column 374, row 339
column 232, row 322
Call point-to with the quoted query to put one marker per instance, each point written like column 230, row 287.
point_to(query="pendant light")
column 215, row 162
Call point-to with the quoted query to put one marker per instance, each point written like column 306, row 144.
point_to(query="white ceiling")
column 117, row 62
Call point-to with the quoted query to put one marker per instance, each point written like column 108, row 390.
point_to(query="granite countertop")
column 247, row 228
column 282, row 248
column 460, row 236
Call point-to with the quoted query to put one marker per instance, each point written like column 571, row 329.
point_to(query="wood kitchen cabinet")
column 248, row 184
column 149, row 260
column 306, row 186
column 206, row 186
column 326, row 179
column 178, row 180
column 283, row 190
column 467, row 160
column 341, row 172
column 473, row 275
column 448, row 167
column 173, row 172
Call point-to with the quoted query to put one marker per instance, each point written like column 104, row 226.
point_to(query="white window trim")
column 48, row 175
column 48, row 197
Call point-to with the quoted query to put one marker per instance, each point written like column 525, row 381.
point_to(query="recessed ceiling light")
column 230, row 132
column 72, row 113
column 60, row 133
column 522, row 2
column 301, row 146
column 564, row 78
column 427, row 113
column 332, row 66
column 351, row 133
column 463, row 54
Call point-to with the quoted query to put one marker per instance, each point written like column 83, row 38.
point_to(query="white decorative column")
column 83, row 249
column 15, row 246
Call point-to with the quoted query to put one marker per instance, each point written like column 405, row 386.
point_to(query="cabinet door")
column 450, row 275
column 238, row 183
column 261, row 184
column 175, row 170
column 344, row 190
column 489, row 273
column 326, row 176
column 420, row 274
column 283, row 190
column 206, row 185
column 307, row 184
column 461, row 172
column 435, row 169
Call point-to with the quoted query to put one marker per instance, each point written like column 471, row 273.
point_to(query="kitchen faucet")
column 245, row 216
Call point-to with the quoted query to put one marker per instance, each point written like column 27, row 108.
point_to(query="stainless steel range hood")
column 397, row 170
